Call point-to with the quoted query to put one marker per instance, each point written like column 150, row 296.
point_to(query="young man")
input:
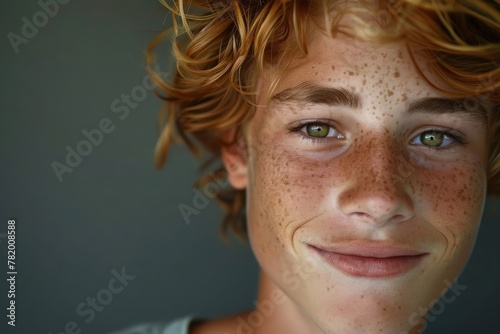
column 361, row 139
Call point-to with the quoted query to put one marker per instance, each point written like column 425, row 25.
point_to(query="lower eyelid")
column 448, row 136
column 301, row 129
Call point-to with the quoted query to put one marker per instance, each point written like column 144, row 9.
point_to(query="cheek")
column 284, row 193
column 288, row 188
column 457, row 198
column 268, row 191
column 452, row 203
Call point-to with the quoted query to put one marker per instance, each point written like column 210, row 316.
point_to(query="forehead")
column 368, row 70
column 354, row 64
column 379, row 77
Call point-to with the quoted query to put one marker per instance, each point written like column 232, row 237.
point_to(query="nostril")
column 376, row 205
column 370, row 218
column 398, row 217
column 362, row 215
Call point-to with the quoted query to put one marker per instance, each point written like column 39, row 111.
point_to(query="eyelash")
column 297, row 129
column 450, row 133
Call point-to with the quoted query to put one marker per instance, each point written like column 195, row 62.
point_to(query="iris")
column 432, row 138
column 317, row 130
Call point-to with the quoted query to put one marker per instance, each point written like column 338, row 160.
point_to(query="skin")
column 370, row 180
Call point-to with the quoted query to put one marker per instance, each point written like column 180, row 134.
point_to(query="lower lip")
column 371, row 266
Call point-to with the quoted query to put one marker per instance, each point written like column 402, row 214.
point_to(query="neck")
column 278, row 312
column 275, row 312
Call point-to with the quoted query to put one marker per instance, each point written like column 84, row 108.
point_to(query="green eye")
column 432, row 138
column 317, row 130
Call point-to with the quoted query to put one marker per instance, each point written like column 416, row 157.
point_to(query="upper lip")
column 371, row 249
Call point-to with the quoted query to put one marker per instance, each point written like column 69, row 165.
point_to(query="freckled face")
column 332, row 175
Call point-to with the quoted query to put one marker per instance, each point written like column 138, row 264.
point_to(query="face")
column 365, row 187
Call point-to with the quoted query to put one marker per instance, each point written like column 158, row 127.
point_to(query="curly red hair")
column 221, row 47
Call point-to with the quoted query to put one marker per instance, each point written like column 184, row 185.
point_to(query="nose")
column 375, row 189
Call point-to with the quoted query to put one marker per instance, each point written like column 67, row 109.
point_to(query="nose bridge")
column 378, row 160
column 375, row 191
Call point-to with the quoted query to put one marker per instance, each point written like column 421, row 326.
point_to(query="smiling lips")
column 370, row 261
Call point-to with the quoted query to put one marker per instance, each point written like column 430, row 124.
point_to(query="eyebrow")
column 308, row 92
column 471, row 108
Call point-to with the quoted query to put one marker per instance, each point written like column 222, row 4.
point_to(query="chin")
column 360, row 305
column 371, row 316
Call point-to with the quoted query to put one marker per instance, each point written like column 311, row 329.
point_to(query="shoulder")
column 188, row 325
column 178, row 326
column 226, row 325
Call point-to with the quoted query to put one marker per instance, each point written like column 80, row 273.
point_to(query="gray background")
column 115, row 210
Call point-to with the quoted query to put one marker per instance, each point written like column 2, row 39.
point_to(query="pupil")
column 317, row 130
column 432, row 138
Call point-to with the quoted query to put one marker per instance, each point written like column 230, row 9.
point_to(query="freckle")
column 390, row 93
column 333, row 67
column 351, row 73
column 396, row 74
column 364, row 82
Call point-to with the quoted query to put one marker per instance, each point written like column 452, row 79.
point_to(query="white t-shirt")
column 179, row 326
